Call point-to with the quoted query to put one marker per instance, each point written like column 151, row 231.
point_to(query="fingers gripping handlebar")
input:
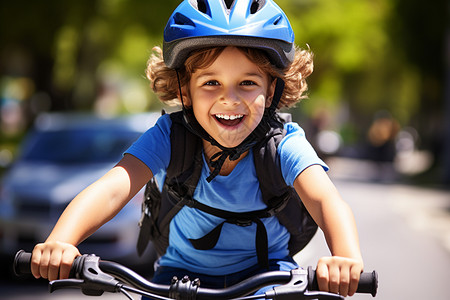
column 368, row 282
column 94, row 276
column 85, row 269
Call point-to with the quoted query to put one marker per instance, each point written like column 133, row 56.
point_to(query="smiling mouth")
column 229, row 120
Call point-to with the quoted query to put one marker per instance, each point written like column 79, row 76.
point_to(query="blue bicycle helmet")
column 258, row 24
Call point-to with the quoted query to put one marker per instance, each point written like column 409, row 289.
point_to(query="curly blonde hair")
column 164, row 82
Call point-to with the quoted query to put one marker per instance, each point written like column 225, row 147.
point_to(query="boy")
column 226, row 62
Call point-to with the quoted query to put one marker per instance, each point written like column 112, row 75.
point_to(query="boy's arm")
column 339, row 273
column 87, row 212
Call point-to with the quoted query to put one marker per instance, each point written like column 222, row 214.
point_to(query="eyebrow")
column 208, row 74
column 212, row 74
column 255, row 74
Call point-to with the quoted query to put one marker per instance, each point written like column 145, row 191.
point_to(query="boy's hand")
column 53, row 260
column 339, row 275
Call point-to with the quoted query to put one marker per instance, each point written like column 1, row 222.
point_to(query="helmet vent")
column 201, row 5
column 229, row 3
column 256, row 5
column 277, row 20
column 181, row 19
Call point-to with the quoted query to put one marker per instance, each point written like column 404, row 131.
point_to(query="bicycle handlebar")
column 95, row 276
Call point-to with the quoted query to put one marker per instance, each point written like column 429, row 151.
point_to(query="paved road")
column 404, row 233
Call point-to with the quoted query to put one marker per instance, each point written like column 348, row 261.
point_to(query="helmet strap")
column 258, row 134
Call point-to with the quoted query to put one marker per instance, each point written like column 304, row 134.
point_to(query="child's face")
column 229, row 97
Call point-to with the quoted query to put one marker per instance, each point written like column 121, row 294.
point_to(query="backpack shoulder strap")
column 181, row 138
column 267, row 161
column 182, row 176
column 276, row 193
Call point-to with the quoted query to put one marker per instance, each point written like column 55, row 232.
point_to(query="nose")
column 230, row 97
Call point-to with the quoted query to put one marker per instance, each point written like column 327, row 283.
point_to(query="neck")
column 228, row 166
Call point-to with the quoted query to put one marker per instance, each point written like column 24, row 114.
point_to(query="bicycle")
column 95, row 276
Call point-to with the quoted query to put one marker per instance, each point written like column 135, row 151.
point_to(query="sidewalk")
column 424, row 209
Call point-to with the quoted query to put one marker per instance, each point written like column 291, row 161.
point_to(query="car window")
column 78, row 146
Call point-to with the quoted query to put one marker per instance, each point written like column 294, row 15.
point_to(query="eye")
column 211, row 83
column 248, row 83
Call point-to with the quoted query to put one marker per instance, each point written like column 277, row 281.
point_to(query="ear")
column 185, row 98
column 270, row 92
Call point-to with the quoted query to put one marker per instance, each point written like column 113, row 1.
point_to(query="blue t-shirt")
column 239, row 192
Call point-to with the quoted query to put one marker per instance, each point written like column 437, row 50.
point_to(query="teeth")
column 228, row 117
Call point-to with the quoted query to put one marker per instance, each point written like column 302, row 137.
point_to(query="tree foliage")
column 373, row 55
column 370, row 55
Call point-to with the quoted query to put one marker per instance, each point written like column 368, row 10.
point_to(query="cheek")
column 201, row 112
column 257, row 109
column 260, row 103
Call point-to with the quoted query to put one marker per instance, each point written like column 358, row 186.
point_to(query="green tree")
column 370, row 55
column 66, row 45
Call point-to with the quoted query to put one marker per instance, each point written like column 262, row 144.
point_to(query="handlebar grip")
column 22, row 263
column 368, row 282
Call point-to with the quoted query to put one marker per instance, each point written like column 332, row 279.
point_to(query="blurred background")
column 379, row 98
column 380, row 87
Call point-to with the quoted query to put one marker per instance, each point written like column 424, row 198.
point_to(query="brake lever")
column 70, row 284
column 296, row 289
column 316, row 295
column 89, row 278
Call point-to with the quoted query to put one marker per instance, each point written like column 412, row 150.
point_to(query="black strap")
column 144, row 234
column 147, row 222
column 182, row 177
column 209, row 241
column 230, row 215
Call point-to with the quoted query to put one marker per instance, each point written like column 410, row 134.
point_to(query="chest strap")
column 242, row 219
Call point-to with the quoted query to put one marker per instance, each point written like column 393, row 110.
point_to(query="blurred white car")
column 62, row 155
